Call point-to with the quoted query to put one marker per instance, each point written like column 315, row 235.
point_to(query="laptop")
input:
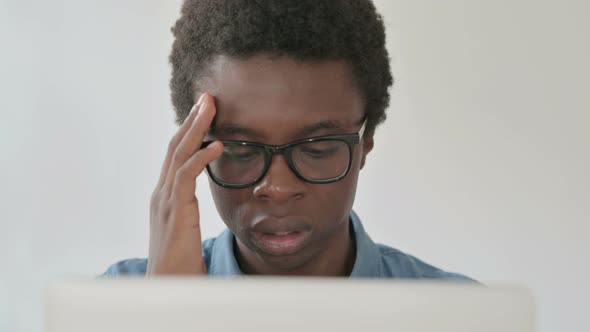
column 284, row 304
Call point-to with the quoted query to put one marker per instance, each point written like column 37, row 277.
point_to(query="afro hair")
column 305, row 30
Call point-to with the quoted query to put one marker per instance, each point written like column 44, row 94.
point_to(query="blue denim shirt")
column 373, row 260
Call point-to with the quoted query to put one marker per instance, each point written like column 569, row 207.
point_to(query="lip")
column 282, row 243
column 280, row 236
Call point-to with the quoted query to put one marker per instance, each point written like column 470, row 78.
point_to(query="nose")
column 280, row 184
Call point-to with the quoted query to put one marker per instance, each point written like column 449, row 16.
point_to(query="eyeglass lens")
column 318, row 160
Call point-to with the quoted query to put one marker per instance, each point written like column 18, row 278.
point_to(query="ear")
column 367, row 144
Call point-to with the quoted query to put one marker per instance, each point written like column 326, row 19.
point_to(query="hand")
column 175, row 233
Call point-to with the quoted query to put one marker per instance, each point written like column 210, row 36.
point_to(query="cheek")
column 334, row 201
column 347, row 191
column 229, row 204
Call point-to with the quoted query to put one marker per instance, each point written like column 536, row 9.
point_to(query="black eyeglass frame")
column 351, row 141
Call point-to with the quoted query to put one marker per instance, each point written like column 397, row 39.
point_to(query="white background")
column 481, row 168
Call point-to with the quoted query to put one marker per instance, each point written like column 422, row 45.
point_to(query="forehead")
column 278, row 96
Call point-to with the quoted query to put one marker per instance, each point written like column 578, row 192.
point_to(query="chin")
column 283, row 263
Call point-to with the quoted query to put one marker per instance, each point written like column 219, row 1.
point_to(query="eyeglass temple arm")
column 363, row 127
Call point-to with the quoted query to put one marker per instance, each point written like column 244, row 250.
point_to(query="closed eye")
column 241, row 156
column 319, row 153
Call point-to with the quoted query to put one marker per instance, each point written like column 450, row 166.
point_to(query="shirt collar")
column 223, row 260
column 367, row 262
column 368, row 257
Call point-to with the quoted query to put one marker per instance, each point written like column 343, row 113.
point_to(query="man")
column 285, row 97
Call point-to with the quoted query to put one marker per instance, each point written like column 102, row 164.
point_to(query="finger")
column 185, row 185
column 176, row 140
column 193, row 139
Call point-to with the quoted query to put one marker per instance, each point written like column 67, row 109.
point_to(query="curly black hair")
column 305, row 30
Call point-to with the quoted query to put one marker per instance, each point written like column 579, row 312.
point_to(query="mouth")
column 282, row 243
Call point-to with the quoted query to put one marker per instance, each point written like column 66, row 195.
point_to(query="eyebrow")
column 235, row 129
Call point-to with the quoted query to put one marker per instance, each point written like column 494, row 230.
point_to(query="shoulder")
column 138, row 266
column 130, row 267
column 397, row 264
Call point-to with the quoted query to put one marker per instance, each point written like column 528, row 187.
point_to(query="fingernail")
column 200, row 99
column 195, row 106
column 202, row 105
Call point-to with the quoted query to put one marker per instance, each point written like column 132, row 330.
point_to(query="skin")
column 271, row 100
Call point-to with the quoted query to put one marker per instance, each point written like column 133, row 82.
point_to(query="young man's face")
column 283, row 224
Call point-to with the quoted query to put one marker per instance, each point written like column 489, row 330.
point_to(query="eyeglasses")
column 320, row 159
